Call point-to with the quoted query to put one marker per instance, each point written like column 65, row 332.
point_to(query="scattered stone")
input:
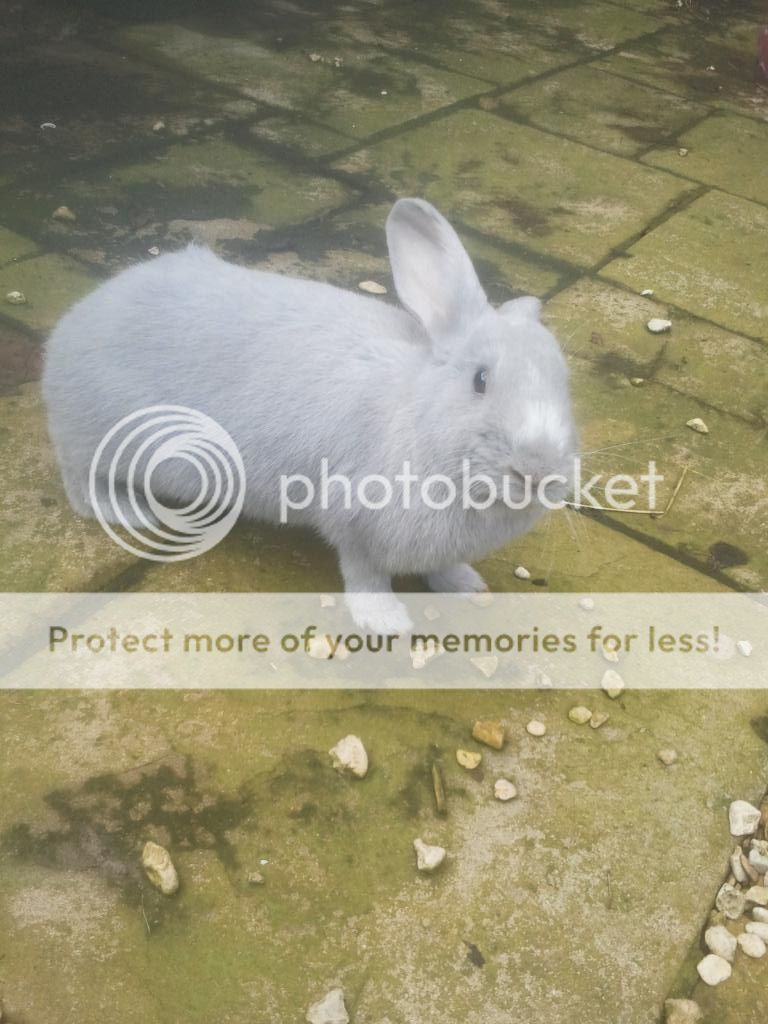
column 587, row 603
column 327, row 601
column 698, row 425
column 743, row 818
column 719, row 940
column 713, row 969
column 579, row 714
column 315, row 57
column 47, row 124
column 752, row 945
column 758, row 928
column 757, row 894
column 683, row 151
column 647, row 293
column 522, row 573
column 667, row 756
column 711, row 67
column 158, row 126
column 536, row 728
column 482, row 599
column 431, row 614
column 255, row 878
column 609, row 654
column 159, row 868
column 489, row 732
column 319, row 647
column 350, row 757
column 737, row 868
column 504, row 790
column 428, row 858
column 658, row 326
column 438, row 788
column 758, row 856
column 760, row 914
column 422, row 652
column 682, row 1011
column 63, row 213
column 731, row 901
column 486, row 663
column 469, row 759
column 612, row 683
column 748, row 870
column 372, row 287
column 598, row 718
column 330, row 1010
column 16, row 298
column 637, row 382
column 153, row 250
column 744, row 647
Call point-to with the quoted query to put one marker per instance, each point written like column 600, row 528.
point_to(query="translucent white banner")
column 306, row 641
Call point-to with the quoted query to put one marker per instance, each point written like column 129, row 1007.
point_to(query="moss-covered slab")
column 720, row 515
column 516, row 183
column 604, row 111
column 44, row 546
column 710, row 60
column 99, row 102
column 709, row 259
column 730, row 152
column 353, row 89
column 235, row 783
column 607, row 326
column 50, row 284
column 15, row 247
column 295, row 133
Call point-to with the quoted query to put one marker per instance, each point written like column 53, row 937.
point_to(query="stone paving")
column 586, row 151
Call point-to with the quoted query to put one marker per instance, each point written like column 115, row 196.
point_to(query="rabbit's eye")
column 481, row 381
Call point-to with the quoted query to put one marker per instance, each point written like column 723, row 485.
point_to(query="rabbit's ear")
column 434, row 277
column 517, row 310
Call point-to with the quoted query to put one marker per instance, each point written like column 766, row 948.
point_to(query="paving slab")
column 364, row 91
column 99, row 102
column 729, row 152
column 607, row 325
column 522, row 185
column 14, row 247
column 234, row 783
column 624, row 117
column 676, row 259
column 43, row 544
column 50, row 284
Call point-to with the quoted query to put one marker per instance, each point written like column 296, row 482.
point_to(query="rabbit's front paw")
column 382, row 614
column 458, row 579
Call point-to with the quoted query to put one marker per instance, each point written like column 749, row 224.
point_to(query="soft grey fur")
column 297, row 371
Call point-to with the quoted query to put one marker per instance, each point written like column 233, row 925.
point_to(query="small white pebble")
column 711, row 67
column 637, row 382
column 372, row 287
column 383, row 92
column 315, row 57
column 522, row 573
column 610, row 655
column 536, row 728
column 658, row 326
column 683, row 151
column 612, row 683
column 752, row 945
column 667, row 756
column 647, row 293
column 487, row 664
column 504, row 790
column 598, row 718
column 63, row 213
column 158, row 126
column 327, row 601
column 760, row 914
column 16, row 298
column 428, row 858
column 758, row 928
column 713, row 969
column 153, row 251
column 47, row 124
column 698, row 425
column 431, row 614
column 744, row 647
column 579, row 714
column 587, row 603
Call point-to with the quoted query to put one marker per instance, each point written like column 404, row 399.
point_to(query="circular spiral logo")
column 162, row 451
